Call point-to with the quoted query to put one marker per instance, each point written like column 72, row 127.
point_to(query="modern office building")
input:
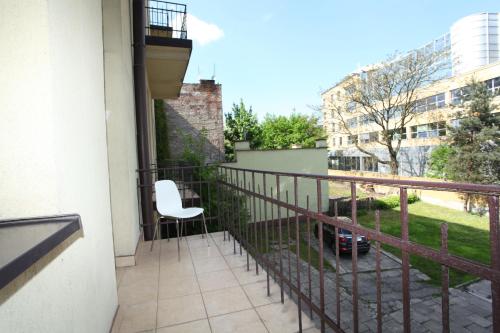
column 472, row 50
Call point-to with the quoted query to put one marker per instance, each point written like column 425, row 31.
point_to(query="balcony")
column 267, row 269
column 168, row 49
column 209, row 288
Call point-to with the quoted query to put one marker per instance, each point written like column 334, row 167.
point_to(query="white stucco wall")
column 54, row 159
column 308, row 161
column 121, row 127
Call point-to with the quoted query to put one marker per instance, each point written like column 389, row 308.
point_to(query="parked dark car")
column 345, row 239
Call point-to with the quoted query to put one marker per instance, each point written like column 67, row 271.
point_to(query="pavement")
column 470, row 306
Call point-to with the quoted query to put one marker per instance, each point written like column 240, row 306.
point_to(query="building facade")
column 436, row 106
column 196, row 116
column 78, row 83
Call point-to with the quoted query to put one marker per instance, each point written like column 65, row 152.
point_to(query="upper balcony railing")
column 166, row 19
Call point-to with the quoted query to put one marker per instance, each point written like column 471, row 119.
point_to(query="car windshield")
column 344, row 231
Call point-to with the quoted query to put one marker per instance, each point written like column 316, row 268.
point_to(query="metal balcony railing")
column 166, row 19
column 271, row 216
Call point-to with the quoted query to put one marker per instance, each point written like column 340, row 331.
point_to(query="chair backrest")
column 168, row 199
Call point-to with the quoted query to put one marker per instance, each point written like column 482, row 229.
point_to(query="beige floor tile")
column 246, row 277
column 198, row 242
column 120, row 272
column 210, row 265
column 226, row 300
column 257, row 293
column 202, row 253
column 199, row 326
column 138, row 292
column 179, row 310
column 175, row 286
column 228, row 248
column 282, row 318
column 237, row 260
column 177, row 268
column 138, row 317
column 246, row 321
column 138, row 273
column 216, row 280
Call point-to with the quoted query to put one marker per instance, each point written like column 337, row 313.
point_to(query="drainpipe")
column 141, row 119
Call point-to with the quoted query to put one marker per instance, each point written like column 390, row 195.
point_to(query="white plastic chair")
column 169, row 204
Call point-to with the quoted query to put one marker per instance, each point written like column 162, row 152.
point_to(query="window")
column 351, row 106
column 429, row 130
column 340, row 141
column 365, row 120
column 352, row 139
column 493, row 85
column 430, row 103
column 398, row 133
column 458, row 95
column 368, row 137
column 370, row 164
column 351, row 123
column 455, row 123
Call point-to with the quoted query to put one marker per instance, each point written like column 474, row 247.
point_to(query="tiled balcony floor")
column 208, row 290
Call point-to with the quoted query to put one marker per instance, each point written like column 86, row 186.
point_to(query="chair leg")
column 178, row 244
column 168, row 233
column 154, row 235
column 205, row 224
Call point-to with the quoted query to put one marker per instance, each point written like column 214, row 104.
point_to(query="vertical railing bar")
column 337, row 262
column 354, row 261
column 288, row 242
column 495, row 260
column 228, row 221
column 255, row 225
column 260, row 212
column 403, row 197
column 247, row 225
column 321, row 268
column 273, row 238
column 308, row 219
column 239, row 211
column 378, row 274
column 266, row 233
column 223, row 202
column 218, row 184
column 445, row 281
column 233, row 195
column 279, row 237
column 297, row 249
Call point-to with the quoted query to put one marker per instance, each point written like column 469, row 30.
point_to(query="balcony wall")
column 307, row 161
column 54, row 160
column 121, row 129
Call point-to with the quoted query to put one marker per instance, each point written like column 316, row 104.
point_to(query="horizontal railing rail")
column 270, row 214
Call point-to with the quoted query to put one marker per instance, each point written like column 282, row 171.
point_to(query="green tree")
column 241, row 124
column 438, row 161
column 475, row 141
column 161, row 131
column 281, row 132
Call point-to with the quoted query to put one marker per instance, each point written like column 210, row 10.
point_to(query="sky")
column 279, row 55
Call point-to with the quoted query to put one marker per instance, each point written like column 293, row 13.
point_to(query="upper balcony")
column 168, row 49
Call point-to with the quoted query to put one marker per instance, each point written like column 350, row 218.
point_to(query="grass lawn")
column 343, row 189
column 468, row 236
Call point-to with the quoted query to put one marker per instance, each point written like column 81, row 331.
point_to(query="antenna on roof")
column 199, row 73
column 213, row 75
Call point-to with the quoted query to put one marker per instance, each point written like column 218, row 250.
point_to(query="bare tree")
column 386, row 95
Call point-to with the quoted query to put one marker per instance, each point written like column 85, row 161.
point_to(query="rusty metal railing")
column 271, row 216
